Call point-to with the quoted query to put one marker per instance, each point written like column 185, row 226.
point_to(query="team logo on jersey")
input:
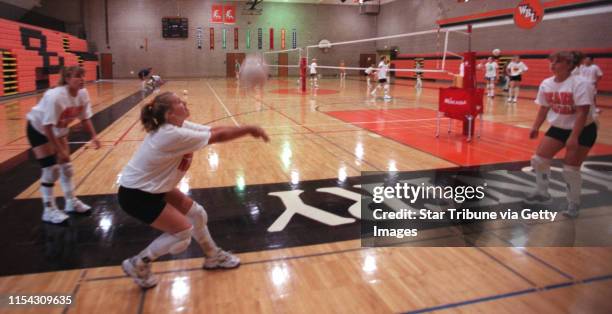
column 69, row 115
column 528, row 14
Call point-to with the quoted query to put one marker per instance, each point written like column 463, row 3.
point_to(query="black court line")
column 510, row 295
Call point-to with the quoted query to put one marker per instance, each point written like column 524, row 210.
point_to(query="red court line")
column 499, row 143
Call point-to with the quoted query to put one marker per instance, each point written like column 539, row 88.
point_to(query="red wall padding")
column 535, row 60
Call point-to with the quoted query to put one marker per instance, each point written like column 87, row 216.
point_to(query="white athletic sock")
column 166, row 243
column 573, row 181
column 199, row 219
column 66, row 174
column 541, row 166
column 516, row 92
column 47, row 181
column 510, row 92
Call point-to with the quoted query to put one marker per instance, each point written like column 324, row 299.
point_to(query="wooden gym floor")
column 320, row 144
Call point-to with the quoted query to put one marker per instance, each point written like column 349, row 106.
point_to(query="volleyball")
column 496, row 52
column 253, row 72
column 185, row 92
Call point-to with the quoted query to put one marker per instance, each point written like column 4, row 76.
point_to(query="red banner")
column 528, row 14
column 271, row 38
column 216, row 14
column 283, row 35
column 229, row 14
column 212, row 38
column 236, row 38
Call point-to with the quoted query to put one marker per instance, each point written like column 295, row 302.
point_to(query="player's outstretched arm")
column 228, row 133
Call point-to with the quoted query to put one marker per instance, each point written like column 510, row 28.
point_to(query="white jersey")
column 313, row 68
column 517, row 68
column 563, row 97
column 155, row 166
column 58, row 108
column 590, row 73
column 382, row 70
column 491, row 69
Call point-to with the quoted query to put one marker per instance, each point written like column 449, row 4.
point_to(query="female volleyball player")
column 383, row 67
column 148, row 183
column 47, row 132
column 566, row 101
column 313, row 73
column 342, row 70
column 515, row 69
column 491, row 76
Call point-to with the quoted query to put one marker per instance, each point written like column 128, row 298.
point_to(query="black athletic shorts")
column 516, row 78
column 34, row 137
column 313, row 74
column 141, row 205
column 587, row 136
column 382, row 81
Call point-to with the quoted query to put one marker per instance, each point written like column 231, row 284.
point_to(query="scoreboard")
column 175, row 27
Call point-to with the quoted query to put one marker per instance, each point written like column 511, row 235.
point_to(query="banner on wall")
column 224, row 38
column 294, row 39
column 212, row 38
column 259, row 38
column 528, row 14
column 199, row 32
column 271, row 38
column 248, row 39
column 236, row 38
column 283, row 38
column 229, row 14
column 216, row 14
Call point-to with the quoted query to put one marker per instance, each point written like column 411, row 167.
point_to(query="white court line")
column 229, row 114
column 364, row 122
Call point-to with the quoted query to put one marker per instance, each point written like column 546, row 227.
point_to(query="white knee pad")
column 180, row 241
column 197, row 215
column 50, row 174
column 67, row 169
column 540, row 164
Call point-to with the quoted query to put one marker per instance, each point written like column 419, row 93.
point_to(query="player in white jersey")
column 515, row 70
column 592, row 73
column 383, row 81
column 491, row 76
column 47, row 131
column 313, row 73
column 148, row 185
column 566, row 101
column 369, row 72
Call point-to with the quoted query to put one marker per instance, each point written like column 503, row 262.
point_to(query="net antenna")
column 439, row 68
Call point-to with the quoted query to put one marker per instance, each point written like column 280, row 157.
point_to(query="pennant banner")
column 236, row 38
column 259, row 38
column 248, row 39
column 283, row 38
column 212, row 38
column 224, row 38
column 271, row 38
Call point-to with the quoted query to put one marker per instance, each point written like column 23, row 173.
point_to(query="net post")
column 303, row 73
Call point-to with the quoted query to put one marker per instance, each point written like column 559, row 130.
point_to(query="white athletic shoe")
column 76, row 206
column 141, row 274
column 53, row 215
column 387, row 97
column 572, row 210
column 222, row 259
column 538, row 198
